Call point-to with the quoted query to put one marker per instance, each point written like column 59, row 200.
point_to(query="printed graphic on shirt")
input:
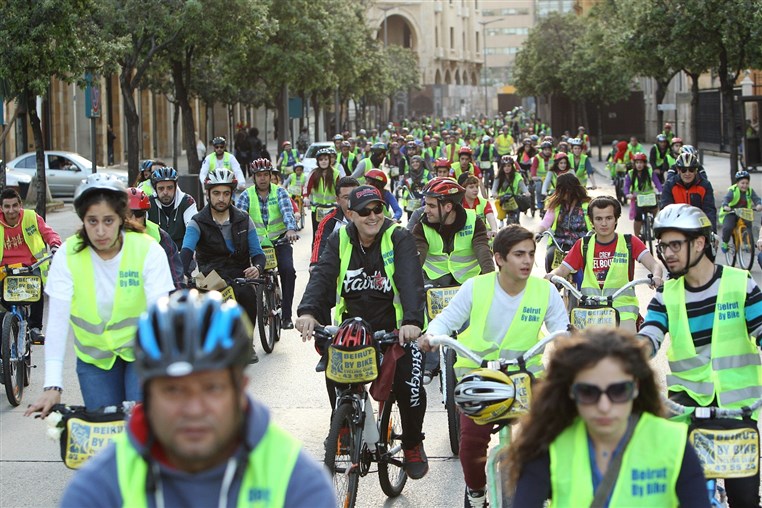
column 358, row 280
column 12, row 242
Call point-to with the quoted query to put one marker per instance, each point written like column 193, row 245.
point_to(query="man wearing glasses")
column 711, row 313
column 221, row 159
column 370, row 269
column 690, row 188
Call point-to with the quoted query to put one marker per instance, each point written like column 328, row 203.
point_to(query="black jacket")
column 212, row 252
column 320, row 296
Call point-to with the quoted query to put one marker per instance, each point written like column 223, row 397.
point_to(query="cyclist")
column 541, row 164
column 100, row 281
column 486, row 155
column 711, row 313
column 321, row 183
column 143, row 181
column 221, row 159
column 347, row 159
column 414, row 182
column 579, row 163
column 139, row 204
column 508, row 184
column 690, row 188
column 25, row 238
column 661, row 158
column 641, row 179
column 368, row 269
column 526, row 152
column 570, row 441
column 740, row 195
column 273, row 219
column 582, row 136
column 451, row 149
column 377, row 178
column 466, row 164
column 635, row 146
column 493, row 305
column 287, row 159
column 483, row 207
column 171, row 208
column 667, row 132
column 504, row 142
column 607, row 260
column 199, row 440
column 225, row 241
column 560, row 167
column 376, row 159
column 335, row 219
column 395, row 161
column 296, row 182
column 675, row 145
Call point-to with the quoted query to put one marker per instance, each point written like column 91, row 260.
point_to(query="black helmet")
column 165, row 174
column 219, row 140
column 190, row 332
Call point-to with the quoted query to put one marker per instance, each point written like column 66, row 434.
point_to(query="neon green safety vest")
column 284, row 159
column 736, row 198
column 616, row 277
column 345, row 254
column 648, row 474
column 457, row 170
column 147, row 187
column 649, row 187
column 729, row 367
column 479, row 209
column 557, row 211
column 297, row 184
column 152, row 230
column 350, row 161
column 542, row 168
column 97, row 342
column 450, row 152
column 32, row 238
column 319, row 195
column 513, row 187
column 225, row 161
column 580, row 170
column 275, row 227
column 523, row 333
column 264, row 483
column 461, row 262
column 504, row 144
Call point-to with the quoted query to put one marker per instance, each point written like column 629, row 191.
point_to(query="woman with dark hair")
column 100, row 282
column 595, row 431
column 320, row 186
column 508, row 183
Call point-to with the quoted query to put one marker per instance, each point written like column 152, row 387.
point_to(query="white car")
column 64, row 170
column 18, row 181
column 309, row 160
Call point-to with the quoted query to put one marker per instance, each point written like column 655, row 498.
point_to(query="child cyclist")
column 472, row 201
column 740, row 195
column 641, row 179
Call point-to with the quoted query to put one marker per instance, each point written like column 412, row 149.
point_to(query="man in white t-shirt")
column 221, row 159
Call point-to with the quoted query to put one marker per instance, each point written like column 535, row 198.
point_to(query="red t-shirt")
column 602, row 256
column 487, row 209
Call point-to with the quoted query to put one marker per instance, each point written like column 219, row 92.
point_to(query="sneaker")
column 427, row 376
column 37, row 336
column 416, row 464
column 287, row 325
column 254, row 358
column 724, row 247
column 475, row 499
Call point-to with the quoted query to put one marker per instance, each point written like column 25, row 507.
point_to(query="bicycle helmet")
column 575, row 141
column 684, row 218
column 346, row 144
column 676, row 140
column 741, row 175
column 688, row 149
column 661, row 138
column 191, row 332
column 561, row 155
column 165, row 174
column 362, row 132
column 534, row 138
column 285, row 144
column 444, row 188
column 485, row 395
column 667, row 125
column 146, row 165
column 326, row 150
column 220, row 176
column 219, row 140
column 546, row 144
column 353, row 333
column 338, row 137
column 687, row 160
column 442, row 162
column 526, row 141
column 377, row 175
column 640, row 156
column 102, row 182
column 465, row 150
column 260, row 165
column 138, row 199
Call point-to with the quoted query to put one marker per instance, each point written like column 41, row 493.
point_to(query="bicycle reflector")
column 353, row 355
column 485, row 395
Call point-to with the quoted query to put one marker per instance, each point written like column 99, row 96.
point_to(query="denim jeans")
column 108, row 387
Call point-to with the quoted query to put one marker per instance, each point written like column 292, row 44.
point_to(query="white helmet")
column 220, row 176
column 575, row 142
column 684, row 218
column 98, row 181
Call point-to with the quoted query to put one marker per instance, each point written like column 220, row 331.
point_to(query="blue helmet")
column 165, row 174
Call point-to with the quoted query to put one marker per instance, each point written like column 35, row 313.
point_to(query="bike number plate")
column 438, row 298
column 83, row 439
column 602, row 316
column 271, row 260
column 412, row 204
column 522, row 382
column 558, row 257
column 228, row 294
column 485, row 165
column 22, row 288
column 727, row 453
column 620, row 168
column 322, row 211
column 746, row 214
column 646, row 200
column 394, row 171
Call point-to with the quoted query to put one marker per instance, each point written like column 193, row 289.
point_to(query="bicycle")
column 596, row 310
column 22, row 285
column 522, row 379
column 437, row 298
column 620, row 171
column 511, row 208
column 730, row 453
column 530, row 183
column 647, row 204
column 741, row 244
column 299, row 200
column 355, row 439
column 558, row 256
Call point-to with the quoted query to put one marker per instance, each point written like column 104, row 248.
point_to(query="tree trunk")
column 283, row 119
column 180, row 70
column 175, row 131
column 318, row 123
column 661, row 92
column 132, row 119
column 34, row 120
column 693, row 125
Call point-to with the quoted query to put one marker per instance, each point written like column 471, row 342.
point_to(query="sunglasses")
column 685, row 170
column 617, row 393
column 365, row 212
column 219, row 146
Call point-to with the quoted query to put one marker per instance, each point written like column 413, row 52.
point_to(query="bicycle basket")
column 583, row 317
column 508, row 203
column 22, row 288
column 746, row 214
column 646, row 200
column 272, row 260
column 438, row 298
column 85, row 433
column 727, row 453
column 353, row 365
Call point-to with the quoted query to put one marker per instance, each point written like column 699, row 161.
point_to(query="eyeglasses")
column 617, row 393
column 378, row 210
column 692, row 170
column 674, row 245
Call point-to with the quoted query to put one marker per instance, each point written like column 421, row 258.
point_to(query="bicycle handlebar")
column 600, row 299
column 126, row 407
column 549, row 234
column 710, row 412
column 18, row 270
column 382, row 337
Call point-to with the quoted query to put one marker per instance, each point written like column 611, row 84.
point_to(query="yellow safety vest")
column 147, row 187
column 152, row 230
column 728, row 368
column 504, row 144
column 451, row 151
column 275, row 227
column 579, row 171
column 523, row 333
column 736, row 198
column 648, row 474
column 461, row 262
column 319, row 194
column 97, row 342
column 297, row 184
column 542, row 169
column 265, row 480
column 284, row 159
column 32, row 238
column 226, row 156
column 345, row 254
column 513, row 186
column 617, row 276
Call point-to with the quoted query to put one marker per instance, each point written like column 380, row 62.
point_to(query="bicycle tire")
column 391, row 477
column 275, row 316
column 263, row 318
column 745, row 251
column 648, row 234
column 730, row 254
column 13, row 368
column 453, row 417
column 344, row 468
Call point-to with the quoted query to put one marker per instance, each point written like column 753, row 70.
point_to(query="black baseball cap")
column 362, row 196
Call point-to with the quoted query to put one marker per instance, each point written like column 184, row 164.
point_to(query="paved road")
column 31, row 473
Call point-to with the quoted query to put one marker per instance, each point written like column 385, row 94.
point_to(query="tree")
column 44, row 40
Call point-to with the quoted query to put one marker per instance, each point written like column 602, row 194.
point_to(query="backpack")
column 628, row 242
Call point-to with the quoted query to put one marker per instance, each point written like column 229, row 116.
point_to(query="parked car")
column 18, row 181
column 309, row 160
column 64, row 170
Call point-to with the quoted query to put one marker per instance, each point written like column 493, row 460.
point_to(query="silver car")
column 309, row 160
column 64, row 170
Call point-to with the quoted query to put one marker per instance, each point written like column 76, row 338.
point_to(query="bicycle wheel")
column 275, row 317
column 342, row 459
column 647, row 232
column 745, row 249
column 391, row 474
column 12, row 351
column 263, row 318
column 730, row 254
column 453, row 418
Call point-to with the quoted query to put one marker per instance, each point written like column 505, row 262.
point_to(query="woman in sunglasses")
column 595, row 437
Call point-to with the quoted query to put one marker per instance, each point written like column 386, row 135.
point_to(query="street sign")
column 92, row 97
column 295, row 109
column 666, row 107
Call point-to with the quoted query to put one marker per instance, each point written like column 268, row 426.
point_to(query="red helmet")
column 259, row 165
column 378, row 175
column 138, row 199
column 442, row 162
column 561, row 155
column 677, row 140
column 353, row 333
column 465, row 150
column 667, row 125
column 640, row 156
column 285, row 144
column 444, row 188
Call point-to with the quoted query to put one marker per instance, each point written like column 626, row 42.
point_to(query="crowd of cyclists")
column 460, row 189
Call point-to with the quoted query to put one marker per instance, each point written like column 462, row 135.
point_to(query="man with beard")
column 377, row 156
column 225, row 240
column 171, row 208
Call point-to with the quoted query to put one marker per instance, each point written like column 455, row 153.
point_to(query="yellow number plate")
column 228, row 294
column 22, row 288
column 272, row 261
column 727, row 453
column 602, row 316
column 523, row 397
column 359, row 366
column 745, row 213
column 646, row 200
column 509, row 205
column 438, row 298
column 558, row 257
column 84, row 439
column 322, row 211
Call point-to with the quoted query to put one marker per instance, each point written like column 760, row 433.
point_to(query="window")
column 491, row 32
column 452, row 38
column 28, row 162
column 505, row 12
column 501, row 51
column 436, row 36
column 478, row 48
